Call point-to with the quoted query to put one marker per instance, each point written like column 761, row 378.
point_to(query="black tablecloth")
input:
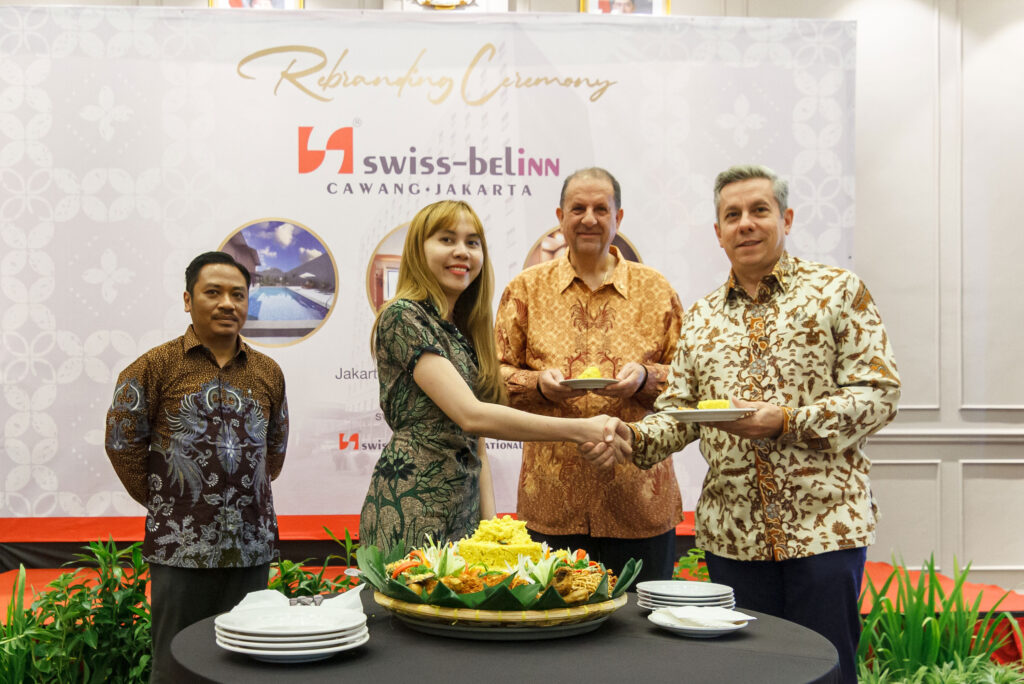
column 626, row 649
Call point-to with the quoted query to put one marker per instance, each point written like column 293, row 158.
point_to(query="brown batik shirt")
column 812, row 342
column 198, row 445
column 548, row 318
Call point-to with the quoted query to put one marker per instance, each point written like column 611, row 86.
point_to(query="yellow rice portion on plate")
column 714, row 404
column 498, row 543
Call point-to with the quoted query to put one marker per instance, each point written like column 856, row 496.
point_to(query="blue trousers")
column 658, row 553
column 819, row 592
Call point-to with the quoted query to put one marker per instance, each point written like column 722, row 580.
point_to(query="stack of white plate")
column 668, row 593
column 291, row 633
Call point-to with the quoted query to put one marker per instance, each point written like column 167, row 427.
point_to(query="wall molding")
column 963, row 464
column 936, row 465
column 991, row 407
column 950, row 436
column 996, row 568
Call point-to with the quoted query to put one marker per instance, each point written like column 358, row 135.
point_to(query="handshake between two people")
column 610, row 441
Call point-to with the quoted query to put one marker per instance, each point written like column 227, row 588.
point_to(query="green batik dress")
column 427, row 480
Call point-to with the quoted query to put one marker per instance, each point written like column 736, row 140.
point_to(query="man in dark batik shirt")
column 197, row 430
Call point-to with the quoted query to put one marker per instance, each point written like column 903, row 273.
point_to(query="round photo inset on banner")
column 294, row 280
column 382, row 271
column 552, row 245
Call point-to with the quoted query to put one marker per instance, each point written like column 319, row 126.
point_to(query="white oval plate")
column 694, row 632
column 296, row 656
column 588, row 383
column 289, row 620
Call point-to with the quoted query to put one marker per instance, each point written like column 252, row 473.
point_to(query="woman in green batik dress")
column 440, row 389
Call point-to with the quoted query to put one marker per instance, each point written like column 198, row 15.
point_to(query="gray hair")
column 742, row 172
column 592, row 172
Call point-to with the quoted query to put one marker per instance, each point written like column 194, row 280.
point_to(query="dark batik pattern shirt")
column 427, row 479
column 812, row 341
column 198, row 445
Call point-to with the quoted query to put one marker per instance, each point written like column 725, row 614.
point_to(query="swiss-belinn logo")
column 339, row 141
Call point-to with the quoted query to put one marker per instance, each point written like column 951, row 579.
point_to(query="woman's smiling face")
column 455, row 256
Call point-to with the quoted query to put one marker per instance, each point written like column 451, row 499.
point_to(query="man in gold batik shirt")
column 591, row 307
column 786, row 511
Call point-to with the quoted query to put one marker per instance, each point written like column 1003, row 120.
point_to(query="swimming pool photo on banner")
column 294, row 280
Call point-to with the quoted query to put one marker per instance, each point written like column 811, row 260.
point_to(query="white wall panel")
column 993, row 508
column 896, row 226
column 993, row 108
column 909, row 498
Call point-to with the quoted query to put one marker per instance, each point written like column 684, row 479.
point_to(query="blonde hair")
column 472, row 315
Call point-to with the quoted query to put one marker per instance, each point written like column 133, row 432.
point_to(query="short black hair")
column 207, row 258
column 592, row 172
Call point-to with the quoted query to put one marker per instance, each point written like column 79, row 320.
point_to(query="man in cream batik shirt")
column 786, row 511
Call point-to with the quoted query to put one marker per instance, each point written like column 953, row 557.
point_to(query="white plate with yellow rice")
column 588, row 383
column 708, row 415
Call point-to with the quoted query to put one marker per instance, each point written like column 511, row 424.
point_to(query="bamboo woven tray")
column 470, row 617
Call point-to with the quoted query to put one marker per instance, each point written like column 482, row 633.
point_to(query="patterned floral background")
column 132, row 139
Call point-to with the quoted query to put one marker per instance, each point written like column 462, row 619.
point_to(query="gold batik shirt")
column 813, row 343
column 548, row 318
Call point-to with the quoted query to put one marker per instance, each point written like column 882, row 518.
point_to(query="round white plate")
column 669, row 601
column 674, row 601
column 670, row 604
column 333, row 634
column 679, row 601
column 693, row 632
column 289, row 638
column 289, row 620
column 290, row 646
column 683, row 589
column 708, row 415
column 685, row 599
column 588, row 383
column 296, row 656
column 650, row 605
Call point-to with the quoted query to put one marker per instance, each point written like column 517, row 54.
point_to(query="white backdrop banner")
column 303, row 143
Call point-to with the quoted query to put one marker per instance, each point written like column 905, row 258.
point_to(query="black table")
column 626, row 649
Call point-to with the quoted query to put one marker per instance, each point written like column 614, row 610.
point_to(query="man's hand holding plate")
column 631, row 378
column 549, row 384
column 765, row 422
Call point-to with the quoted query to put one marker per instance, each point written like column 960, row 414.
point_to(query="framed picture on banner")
column 257, row 4
column 656, row 7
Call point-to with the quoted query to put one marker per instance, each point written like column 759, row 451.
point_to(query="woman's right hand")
column 609, row 441
column 592, row 430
